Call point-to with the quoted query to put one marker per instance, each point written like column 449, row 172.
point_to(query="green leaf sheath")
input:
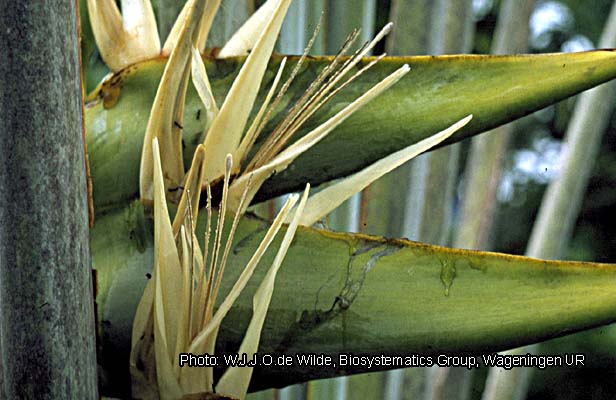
column 437, row 92
column 339, row 293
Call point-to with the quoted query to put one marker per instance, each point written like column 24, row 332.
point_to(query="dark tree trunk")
column 47, row 333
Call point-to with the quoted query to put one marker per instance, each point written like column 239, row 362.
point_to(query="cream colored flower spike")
column 176, row 313
column 198, row 344
column 166, row 117
column 192, row 185
column 193, row 380
column 124, row 39
column 331, row 197
column 235, row 380
column 227, row 129
column 202, row 85
column 245, row 38
column 168, row 287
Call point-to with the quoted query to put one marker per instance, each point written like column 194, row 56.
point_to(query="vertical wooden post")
column 47, row 333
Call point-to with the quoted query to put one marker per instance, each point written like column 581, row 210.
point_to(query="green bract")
column 344, row 293
column 437, row 92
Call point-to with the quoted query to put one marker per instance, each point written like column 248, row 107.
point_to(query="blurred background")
column 489, row 193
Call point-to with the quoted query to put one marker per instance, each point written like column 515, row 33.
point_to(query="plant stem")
column 47, row 328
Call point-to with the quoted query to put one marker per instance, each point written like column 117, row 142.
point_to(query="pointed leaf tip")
column 331, row 197
column 225, row 134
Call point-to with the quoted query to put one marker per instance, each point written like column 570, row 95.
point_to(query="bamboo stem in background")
column 410, row 33
column 428, row 183
column 47, row 328
column 343, row 17
column 386, row 209
column 562, row 201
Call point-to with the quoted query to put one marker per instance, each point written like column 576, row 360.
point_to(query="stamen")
column 214, row 267
column 204, row 276
column 298, row 124
column 250, row 137
column 213, row 324
column 168, row 109
column 192, row 191
column 283, row 90
column 282, row 160
column 190, row 271
column 208, row 229
column 294, row 73
column 315, row 90
column 312, row 108
column 357, row 57
column 351, row 62
column 186, row 294
column 230, row 237
column 304, row 109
